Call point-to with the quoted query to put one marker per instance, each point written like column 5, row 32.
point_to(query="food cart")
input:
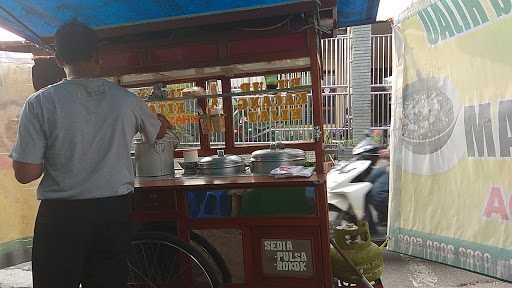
column 275, row 243
column 262, row 230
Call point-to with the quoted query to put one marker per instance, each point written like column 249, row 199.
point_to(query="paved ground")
column 400, row 272
column 16, row 277
column 406, row 272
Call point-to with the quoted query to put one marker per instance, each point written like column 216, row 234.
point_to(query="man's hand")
column 26, row 172
column 164, row 125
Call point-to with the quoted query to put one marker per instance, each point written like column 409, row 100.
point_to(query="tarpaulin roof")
column 357, row 12
column 37, row 19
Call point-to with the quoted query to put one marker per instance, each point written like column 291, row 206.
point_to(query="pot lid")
column 220, row 161
column 276, row 153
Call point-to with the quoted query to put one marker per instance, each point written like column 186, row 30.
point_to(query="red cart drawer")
column 154, row 201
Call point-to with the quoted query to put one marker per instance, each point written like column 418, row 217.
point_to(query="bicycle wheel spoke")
column 172, row 266
column 198, row 275
column 143, row 277
column 156, row 263
column 147, row 267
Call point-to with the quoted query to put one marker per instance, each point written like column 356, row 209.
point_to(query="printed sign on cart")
column 287, row 257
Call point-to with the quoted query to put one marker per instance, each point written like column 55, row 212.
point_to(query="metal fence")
column 336, row 55
column 280, row 130
column 381, row 84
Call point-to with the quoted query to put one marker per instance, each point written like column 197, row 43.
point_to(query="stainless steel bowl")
column 266, row 160
column 221, row 165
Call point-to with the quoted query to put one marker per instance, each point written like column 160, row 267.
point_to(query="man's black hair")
column 75, row 43
column 46, row 72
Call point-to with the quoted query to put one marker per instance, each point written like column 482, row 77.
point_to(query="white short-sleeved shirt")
column 81, row 130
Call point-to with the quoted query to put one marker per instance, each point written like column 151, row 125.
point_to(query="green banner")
column 452, row 135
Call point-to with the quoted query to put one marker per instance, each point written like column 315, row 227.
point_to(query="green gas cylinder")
column 355, row 243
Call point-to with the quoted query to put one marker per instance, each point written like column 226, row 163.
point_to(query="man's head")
column 76, row 44
column 46, row 72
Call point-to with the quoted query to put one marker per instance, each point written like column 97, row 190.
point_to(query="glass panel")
column 224, row 248
column 282, row 201
column 263, row 114
column 181, row 112
column 185, row 116
column 272, row 201
column 216, row 124
column 215, row 110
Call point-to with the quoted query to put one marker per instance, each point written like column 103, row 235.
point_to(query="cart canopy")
column 357, row 12
column 39, row 19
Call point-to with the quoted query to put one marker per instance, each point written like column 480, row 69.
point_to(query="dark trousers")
column 378, row 198
column 82, row 242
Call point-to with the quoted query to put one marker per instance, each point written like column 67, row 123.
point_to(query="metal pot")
column 221, row 165
column 155, row 159
column 264, row 161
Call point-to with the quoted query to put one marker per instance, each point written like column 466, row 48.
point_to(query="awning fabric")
column 357, row 12
column 38, row 19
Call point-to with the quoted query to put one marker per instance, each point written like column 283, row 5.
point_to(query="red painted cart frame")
column 165, row 200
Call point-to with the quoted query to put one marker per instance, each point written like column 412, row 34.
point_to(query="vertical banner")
column 451, row 199
column 18, row 205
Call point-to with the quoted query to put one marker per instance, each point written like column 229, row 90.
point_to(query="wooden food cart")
column 273, row 246
column 278, row 236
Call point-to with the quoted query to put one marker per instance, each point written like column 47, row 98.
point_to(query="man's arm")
column 164, row 125
column 26, row 172
column 29, row 149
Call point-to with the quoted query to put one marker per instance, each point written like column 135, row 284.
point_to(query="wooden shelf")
column 202, row 183
column 268, row 91
column 238, row 94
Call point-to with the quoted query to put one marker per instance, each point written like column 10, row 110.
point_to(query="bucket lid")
column 169, row 139
column 220, row 161
column 278, row 153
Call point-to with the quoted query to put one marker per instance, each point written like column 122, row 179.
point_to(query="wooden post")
column 318, row 121
column 227, row 104
column 204, row 139
column 318, row 117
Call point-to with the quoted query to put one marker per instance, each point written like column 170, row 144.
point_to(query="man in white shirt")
column 77, row 135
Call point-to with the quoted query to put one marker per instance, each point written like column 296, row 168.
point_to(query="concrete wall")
column 361, row 80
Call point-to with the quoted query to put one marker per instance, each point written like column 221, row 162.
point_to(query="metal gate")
column 381, row 82
column 336, row 54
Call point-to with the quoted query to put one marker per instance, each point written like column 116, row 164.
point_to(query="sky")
column 392, row 8
column 387, row 9
column 8, row 36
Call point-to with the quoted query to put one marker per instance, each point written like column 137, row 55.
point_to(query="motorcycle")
column 347, row 188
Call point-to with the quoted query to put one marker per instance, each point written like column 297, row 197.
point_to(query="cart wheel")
column 161, row 260
column 211, row 253
column 200, row 243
